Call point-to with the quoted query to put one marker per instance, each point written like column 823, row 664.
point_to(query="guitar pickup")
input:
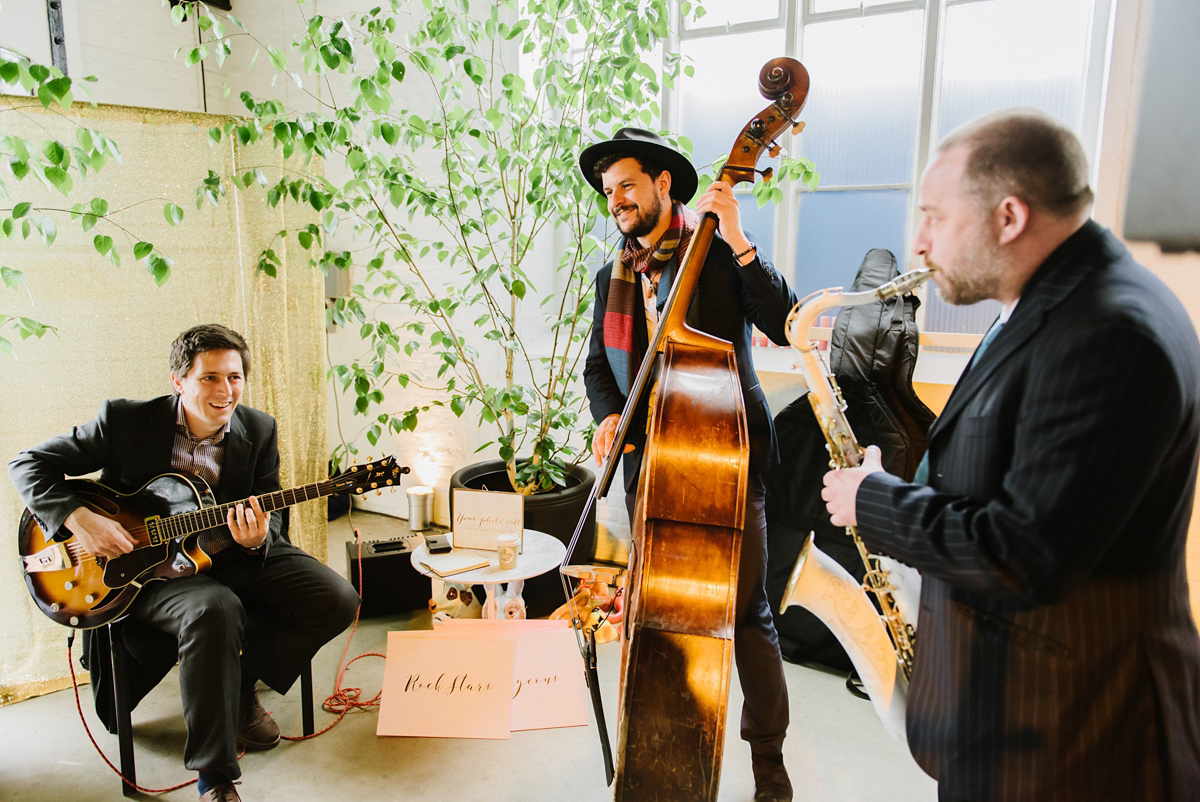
column 52, row 558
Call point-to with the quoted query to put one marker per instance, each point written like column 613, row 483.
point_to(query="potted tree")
column 445, row 138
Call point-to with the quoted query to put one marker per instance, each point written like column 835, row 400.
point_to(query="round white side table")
column 541, row 553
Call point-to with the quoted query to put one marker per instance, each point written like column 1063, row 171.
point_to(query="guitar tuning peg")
column 369, row 458
column 798, row 127
column 773, row 150
column 379, row 492
column 767, row 173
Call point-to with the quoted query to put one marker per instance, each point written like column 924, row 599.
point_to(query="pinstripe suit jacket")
column 1057, row 658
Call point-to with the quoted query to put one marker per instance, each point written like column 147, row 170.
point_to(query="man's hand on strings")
column 602, row 440
column 99, row 536
column 248, row 523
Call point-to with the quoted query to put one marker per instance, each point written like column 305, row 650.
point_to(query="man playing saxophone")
column 1057, row 658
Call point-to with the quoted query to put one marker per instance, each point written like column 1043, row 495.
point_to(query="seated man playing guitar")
column 263, row 608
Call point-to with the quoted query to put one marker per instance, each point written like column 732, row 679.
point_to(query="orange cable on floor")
column 99, row 751
column 343, row 700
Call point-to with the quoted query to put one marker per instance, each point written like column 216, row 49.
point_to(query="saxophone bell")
column 828, row 591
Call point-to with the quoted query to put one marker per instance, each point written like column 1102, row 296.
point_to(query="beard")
column 976, row 275
column 643, row 221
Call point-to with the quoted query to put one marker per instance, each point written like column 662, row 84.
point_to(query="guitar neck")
column 215, row 518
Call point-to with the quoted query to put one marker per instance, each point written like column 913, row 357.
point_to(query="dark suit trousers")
column 270, row 619
column 755, row 641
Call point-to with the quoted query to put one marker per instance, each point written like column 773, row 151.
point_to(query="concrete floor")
column 836, row 751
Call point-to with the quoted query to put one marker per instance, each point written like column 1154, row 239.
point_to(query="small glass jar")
column 506, row 547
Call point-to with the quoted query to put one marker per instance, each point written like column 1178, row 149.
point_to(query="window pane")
column 838, row 228
column 719, row 13
column 760, row 224
column 722, row 96
column 821, row 6
column 1015, row 53
column 863, row 103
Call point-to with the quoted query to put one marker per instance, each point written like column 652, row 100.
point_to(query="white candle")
column 420, row 507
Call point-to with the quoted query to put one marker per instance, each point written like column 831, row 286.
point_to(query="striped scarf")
column 623, row 291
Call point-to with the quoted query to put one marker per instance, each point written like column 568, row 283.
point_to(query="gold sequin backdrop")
column 115, row 326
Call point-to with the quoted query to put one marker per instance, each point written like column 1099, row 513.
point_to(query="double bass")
column 691, row 504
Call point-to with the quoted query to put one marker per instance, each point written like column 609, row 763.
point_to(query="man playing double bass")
column 646, row 183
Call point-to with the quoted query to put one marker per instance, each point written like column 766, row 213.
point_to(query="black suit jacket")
column 1057, row 658
column 729, row 300
column 130, row 443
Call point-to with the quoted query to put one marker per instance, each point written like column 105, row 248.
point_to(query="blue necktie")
column 921, row 477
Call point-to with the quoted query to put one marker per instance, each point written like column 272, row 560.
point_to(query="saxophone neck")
column 805, row 312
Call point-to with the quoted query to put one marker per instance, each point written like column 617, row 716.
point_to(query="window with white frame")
column 889, row 79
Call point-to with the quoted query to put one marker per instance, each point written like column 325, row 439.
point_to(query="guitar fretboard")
column 211, row 520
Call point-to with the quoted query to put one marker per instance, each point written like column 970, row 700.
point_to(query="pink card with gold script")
column 447, row 687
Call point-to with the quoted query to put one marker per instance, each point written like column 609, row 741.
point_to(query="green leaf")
column 12, row 278
column 48, row 230
column 60, row 179
column 141, row 250
column 103, row 244
column 173, row 214
column 20, row 210
column 160, row 268
column 54, row 152
column 99, row 207
column 474, row 69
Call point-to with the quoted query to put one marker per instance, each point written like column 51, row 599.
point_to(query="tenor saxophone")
column 879, row 644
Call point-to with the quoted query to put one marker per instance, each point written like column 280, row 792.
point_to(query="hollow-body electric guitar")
column 178, row 527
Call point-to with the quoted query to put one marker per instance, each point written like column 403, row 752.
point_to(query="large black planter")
column 555, row 512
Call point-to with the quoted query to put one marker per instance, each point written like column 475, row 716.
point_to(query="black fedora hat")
column 649, row 145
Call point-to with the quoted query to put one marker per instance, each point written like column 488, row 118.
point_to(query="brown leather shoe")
column 221, row 792
column 256, row 731
column 771, row 783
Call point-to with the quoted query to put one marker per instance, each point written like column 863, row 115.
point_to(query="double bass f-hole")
column 682, row 583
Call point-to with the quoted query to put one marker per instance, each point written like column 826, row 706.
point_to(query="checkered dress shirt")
column 201, row 457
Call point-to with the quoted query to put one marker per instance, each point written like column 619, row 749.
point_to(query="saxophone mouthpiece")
column 904, row 283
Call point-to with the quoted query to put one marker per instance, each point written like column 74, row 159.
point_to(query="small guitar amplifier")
column 389, row 582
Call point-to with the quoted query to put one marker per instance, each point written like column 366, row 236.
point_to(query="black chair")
column 140, row 656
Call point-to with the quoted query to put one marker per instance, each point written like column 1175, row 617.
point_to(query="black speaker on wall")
column 389, row 582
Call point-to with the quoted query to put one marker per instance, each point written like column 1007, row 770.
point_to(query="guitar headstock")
column 376, row 475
